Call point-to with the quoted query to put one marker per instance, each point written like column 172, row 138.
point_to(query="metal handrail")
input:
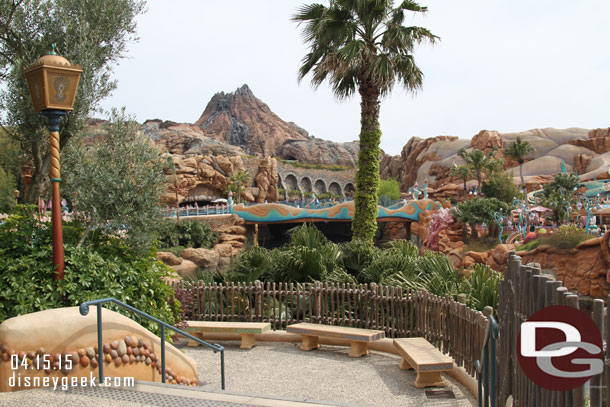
column 84, row 310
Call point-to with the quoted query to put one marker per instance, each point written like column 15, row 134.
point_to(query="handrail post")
column 222, row 368
column 100, row 350
column 162, row 353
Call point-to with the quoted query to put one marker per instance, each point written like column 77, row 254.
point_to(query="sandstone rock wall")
column 585, row 269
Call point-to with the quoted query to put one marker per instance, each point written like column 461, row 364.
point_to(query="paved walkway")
column 328, row 374
column 294, row 378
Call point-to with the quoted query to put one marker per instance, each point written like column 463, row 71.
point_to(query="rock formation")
column 267, row 181
column 587, row 152
column 319, row 151
column 242, row 120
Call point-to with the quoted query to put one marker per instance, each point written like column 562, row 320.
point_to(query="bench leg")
column 309, row 342
column 428, row 379
column 404, row 365
column 191, row 342
column 358, row 349
column 247, row 341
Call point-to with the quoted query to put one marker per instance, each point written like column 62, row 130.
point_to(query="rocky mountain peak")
column 241, row 119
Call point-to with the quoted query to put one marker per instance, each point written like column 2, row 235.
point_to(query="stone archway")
column 349, row 190
column 306, row 184
column 335, row 188
column 319, row 187
column 291, row 183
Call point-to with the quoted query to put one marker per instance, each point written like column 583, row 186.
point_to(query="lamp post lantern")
column 16, row 195
column 53, row 82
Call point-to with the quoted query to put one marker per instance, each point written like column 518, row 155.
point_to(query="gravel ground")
column 327, row 374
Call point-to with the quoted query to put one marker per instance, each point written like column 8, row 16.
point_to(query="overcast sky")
column 501, row 65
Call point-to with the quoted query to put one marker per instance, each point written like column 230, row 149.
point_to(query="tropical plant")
column 124, row 197
column 252, row 264
column 484, row 285
column 95, row 34
column 518, row 150
column 463, row 172
column 480, row 163
column 237, row 183
column 363, row 46
column 500, row 185
column 357, row 255
column 195, row 234
column 556, row 195
column 479, row 210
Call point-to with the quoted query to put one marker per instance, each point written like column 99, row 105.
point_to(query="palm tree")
column 362, row 45
column 517, row 150
column 237, row 182
column 463, row 172
column 480, row 163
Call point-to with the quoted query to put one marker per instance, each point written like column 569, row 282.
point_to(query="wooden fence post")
column 258, row 300
column 317, row 302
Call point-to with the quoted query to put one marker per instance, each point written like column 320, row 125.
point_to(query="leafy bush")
column 357, row 255
column 484, row 287
column 567, row 237
column 389, row 188
column 531, row 245
column 105, row 266
column 252, row 264
column 185, row 233
column 500, row 185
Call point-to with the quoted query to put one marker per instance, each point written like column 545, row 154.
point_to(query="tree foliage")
column 518, row 150
column 363, row 46
column 237, row 183
column 92, row 33
column 559, row 193
column 480, row 163
column 478, row 211
column 500, row 185
column 117, row 185
column 389, row 188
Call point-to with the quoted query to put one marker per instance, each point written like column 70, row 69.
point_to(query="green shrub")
column 389, row 188
column 105, row 266
column 357, row 255
column 252, row 264
column 567, row 237
column 531, row 245
column 484, row 287
column 185, row 233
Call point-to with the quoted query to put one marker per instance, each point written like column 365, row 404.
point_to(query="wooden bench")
column 245, row 329
column 428, row 361
column 358, row 338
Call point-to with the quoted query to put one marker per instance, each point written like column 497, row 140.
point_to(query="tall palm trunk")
column 521, row 174
column 367, row 176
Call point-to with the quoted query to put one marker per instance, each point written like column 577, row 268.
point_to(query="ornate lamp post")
column 53, row 81
column 16, row 195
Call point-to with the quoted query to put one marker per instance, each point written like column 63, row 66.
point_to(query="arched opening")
column 335, row 189
column 349, row 190
column 305, row 185
column 290, row 182
column 319, row 187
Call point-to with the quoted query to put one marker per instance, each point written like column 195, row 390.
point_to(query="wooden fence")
column 449, row 325
column 524, row 291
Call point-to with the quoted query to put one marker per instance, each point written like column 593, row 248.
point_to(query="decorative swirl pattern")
column 54, row 140
column 277, row 213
